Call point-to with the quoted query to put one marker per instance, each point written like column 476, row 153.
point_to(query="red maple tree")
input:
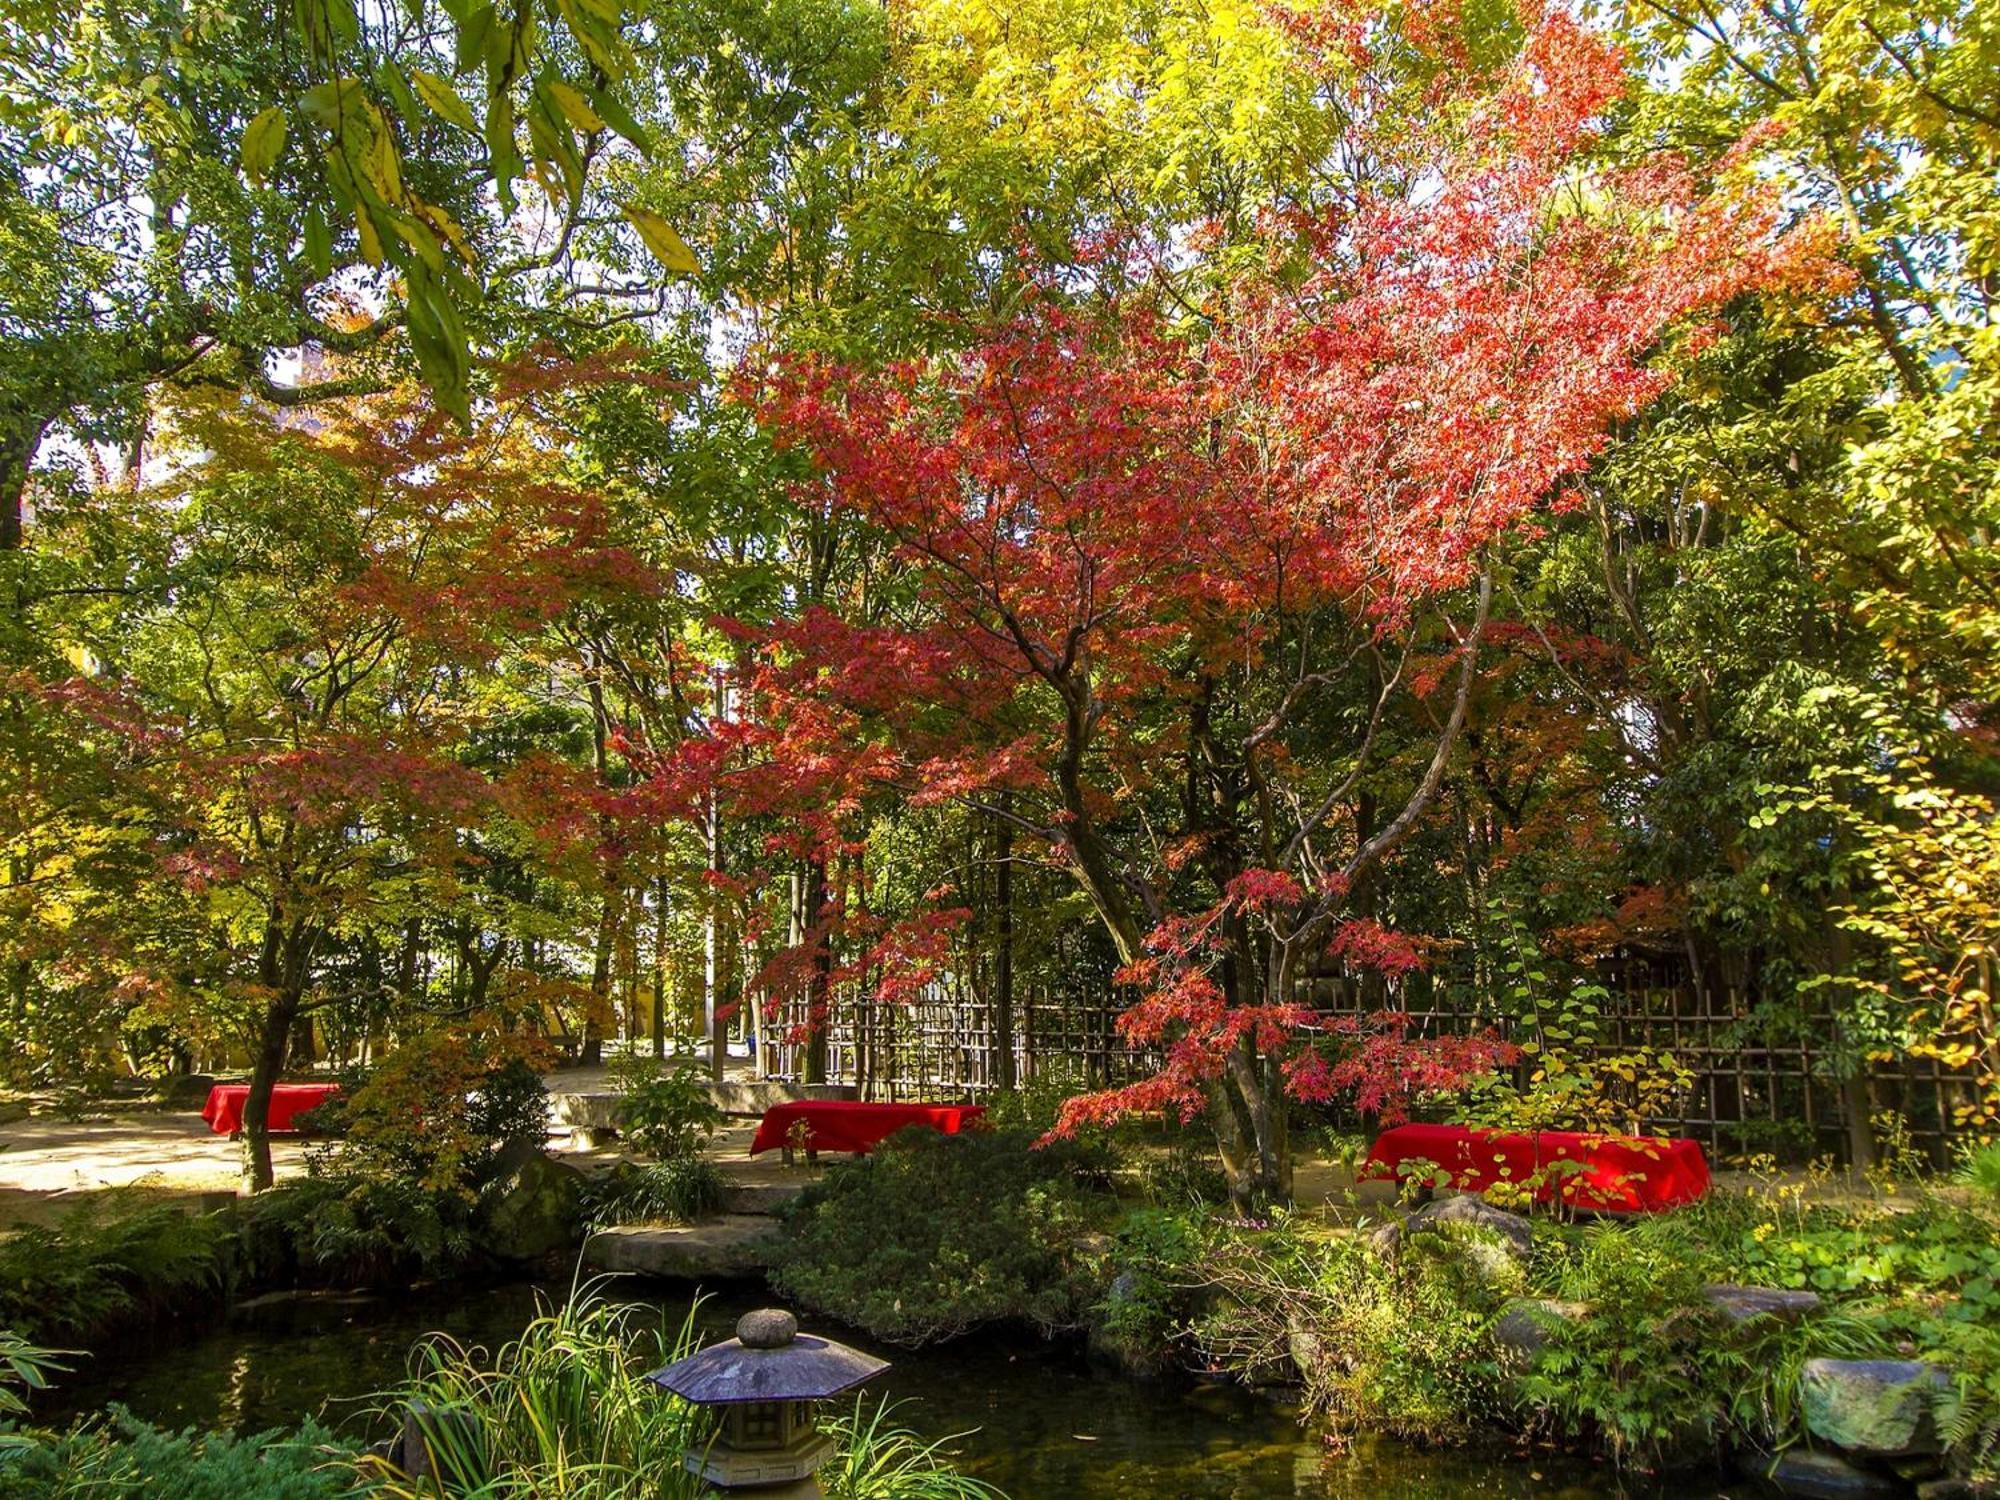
column 1166, row 586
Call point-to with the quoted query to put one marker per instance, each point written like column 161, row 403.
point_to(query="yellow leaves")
column 263, row 140
column 663, row 241
column 443, row 100
column 594, row 25
column 575, row 107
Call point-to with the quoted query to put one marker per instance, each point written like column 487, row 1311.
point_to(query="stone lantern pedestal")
column 766, row 1385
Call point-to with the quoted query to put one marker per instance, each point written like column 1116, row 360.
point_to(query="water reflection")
column 1040, row 1423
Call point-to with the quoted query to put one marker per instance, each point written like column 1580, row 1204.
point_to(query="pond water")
column 1038, row 1421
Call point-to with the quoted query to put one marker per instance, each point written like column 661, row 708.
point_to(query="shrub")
column 937, row 1234
column 1186, row 1172
column 1154, row 1269
column 680, row 1190
column 666, row 1112
column 104, row 1268
column 1654, row 1374
column 328, row 1118
column 100, row 1268
column 1394, row 1346
column 1980, row 1171
column 1968, row 1411
column 1034, row 1105
column 443, row 1110
column 353, row 1231
column 127, row 1457
column 1929, row 1250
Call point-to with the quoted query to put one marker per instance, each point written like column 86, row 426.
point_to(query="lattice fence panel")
column 1757, row 1085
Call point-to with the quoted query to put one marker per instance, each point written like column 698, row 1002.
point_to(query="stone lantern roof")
column 768, row 1360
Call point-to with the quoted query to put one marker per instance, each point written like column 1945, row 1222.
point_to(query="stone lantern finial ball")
column 766, row 1328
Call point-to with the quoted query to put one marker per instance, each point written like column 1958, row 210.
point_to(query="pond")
column 1037, row 1420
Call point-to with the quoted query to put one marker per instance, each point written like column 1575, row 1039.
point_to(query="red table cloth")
column 847, row 1125
column 1613, row 1173
column 224, row 1110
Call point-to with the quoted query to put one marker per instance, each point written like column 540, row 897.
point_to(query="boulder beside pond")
column 1809, row 1474
column 1498, row 1244
column 1522, row 1330
column 1874, row 1406
column 534, row 1209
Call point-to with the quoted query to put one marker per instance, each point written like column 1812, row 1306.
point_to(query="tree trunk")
column 711, row 952
column 600, row 984
column 281, row 966
column 819, row 986
column 713, row 958
column 660, row 969
column 20, row 436
column 1003, row 955
column 270, row 1060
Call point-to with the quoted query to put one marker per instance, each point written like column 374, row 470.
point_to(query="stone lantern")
column 767, row 1383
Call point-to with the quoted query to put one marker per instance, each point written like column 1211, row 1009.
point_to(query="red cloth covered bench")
column 848, row 1125
column 1610, row 1173
column 224, row 1109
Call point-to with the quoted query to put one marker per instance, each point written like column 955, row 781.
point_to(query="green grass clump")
column 564, row 1410
column 680, row 1190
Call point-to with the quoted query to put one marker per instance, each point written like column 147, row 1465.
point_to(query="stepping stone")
column 764, row 1198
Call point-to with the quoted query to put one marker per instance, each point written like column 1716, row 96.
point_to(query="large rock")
column 1466, row 1212
column 1876, row 1406
column 1746, row 1304
column 1122, row 1331
column 1306, row 1345
column 534, row 1210
column 1825, row 1476
column 1953, row 1488
column 1522, row 1330
column 441, row 1447
column 733, row 1247
column 1496, row 1244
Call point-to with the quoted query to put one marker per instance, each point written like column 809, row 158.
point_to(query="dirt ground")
column 49, row 1164
column 142, row 1153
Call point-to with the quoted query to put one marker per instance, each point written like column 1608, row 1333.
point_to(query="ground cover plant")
column 118, row 1456
column 679, row 1190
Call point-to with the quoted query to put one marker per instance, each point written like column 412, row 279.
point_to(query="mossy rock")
column 534, row 1210
column 1874, row 1406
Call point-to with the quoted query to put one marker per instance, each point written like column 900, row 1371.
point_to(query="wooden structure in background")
column 1758, row 1085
